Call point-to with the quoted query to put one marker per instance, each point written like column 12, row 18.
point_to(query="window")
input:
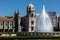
column 32, row 28
column 32, row 15
column 57, row 33
column 32, row 22
column 6, row 23
column 3, row 27
column 1, row 23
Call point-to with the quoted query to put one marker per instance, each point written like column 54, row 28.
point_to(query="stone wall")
column 38, row 34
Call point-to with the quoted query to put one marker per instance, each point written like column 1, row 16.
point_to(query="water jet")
column 43, row 22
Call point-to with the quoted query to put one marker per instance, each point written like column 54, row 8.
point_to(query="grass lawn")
column 28, row 37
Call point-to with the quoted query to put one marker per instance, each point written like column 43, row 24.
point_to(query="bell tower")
column 17, row 20
column 31, row 17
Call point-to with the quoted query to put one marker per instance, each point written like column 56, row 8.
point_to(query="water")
column 43, row 22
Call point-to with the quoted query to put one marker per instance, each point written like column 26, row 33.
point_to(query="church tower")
column 17, row 20
column 31, row 17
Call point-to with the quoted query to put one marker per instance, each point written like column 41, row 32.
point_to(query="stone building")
column 23, row 24
column 59, row 22
column 26, row 23
column 18, row 23
column 6, row 24
column 53, row 18
column 17, row 20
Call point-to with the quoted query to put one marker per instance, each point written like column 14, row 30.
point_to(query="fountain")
column 43, row 22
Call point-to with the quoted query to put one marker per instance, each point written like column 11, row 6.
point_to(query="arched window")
column 32, row 28
column 32, row 15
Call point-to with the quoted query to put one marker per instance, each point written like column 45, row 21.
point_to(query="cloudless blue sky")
column 7, row 7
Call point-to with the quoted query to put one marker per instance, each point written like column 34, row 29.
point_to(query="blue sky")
column 7, row 7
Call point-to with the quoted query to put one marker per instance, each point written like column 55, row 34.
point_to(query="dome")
column 30, row 5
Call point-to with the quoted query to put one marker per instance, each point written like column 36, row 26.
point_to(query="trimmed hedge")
column 56, row 29
column 29, row 37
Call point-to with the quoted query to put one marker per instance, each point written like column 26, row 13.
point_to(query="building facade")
column 26, row 23
column 23, row 24
column 53, row 18
column 6, row 24
column 59, row 22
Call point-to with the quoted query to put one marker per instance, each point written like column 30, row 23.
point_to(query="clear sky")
column 7, row 7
